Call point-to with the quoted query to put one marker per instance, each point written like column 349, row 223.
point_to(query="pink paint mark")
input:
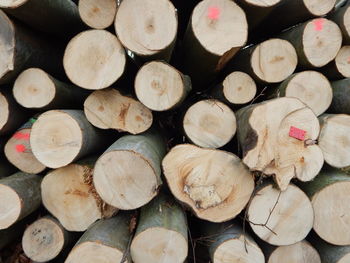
column 213, row 12
column 297, row 133
column 348, row 60
column 21, row 136
column 20, row 148
column 318, row 24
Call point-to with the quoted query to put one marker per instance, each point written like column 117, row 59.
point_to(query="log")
column 161, row 233
column 154, row 23
column 331, row 203
column 94, row 59
column 21, row 48
column 340, row 67
column 69, row 195
column 18, row 150
column 20, row 196
column 204, row 56
column 10, row 234
column 342, row 16
column 271, row 61
column 316, row 41
column 209, row 123
column 109, row 109
column 213, row 183
column 330, row 253
column 237, row 89
column 268, row 134
column 97, row 14
column 60, row 137
column 105, row 241
column 51, row 20
column 36, row 89
column 341, row 96
column 6, row 168
column 45, row 239
column 311, row 87
column 280, row 218
column 334, row 139
column 127, row 174
column 161, row 87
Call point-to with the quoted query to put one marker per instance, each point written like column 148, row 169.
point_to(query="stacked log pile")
column 171, row 131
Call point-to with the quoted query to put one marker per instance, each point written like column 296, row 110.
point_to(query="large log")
column 339, row 68
column 94, row 59
column 204, row 55
column 330, row 253
column 20, row 196
column 213, row 183
column 154, row 23
column 161, row 87
column 59, row 137
column 342, row 17
column 127, row 175
column 161, row 233
column 105, row 241
column 280, row 218
column 329, row 194
column 277, row 138
column 341, row 96
column 68, row 194
column 209, row 123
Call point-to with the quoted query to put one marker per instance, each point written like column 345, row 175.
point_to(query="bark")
column 340, row 67
column 341, row 17
column 330, row 253
column 341, row 97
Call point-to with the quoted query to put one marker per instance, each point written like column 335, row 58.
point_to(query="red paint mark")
column 20, row 148
column 213, row 12
column 297, row 133
column 21, row 136
column 318, row 24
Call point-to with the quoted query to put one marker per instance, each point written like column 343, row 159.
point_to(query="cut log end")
column 4, row 110
column 274, row 60
column 342, row 61
column 43, row 240
column 94, row 59
column 12, row 3
column 319, row 7
column 10, row 206
column 7, row 44
column 170, row 246
column 262, row 3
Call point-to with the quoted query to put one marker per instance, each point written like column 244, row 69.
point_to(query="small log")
column 341, row 96
column 154, row 23
column 109, row 109
column 98, row 14
column 204, row 55
column 94, row 59
column 59, row 137
column 36, row 89
column 330, row 253
column 237, row 89
column 271, row 61
column 311, row 87
column 45, row 239
column 342, row 17
column 161, row 87
column 105, row 241
column 329, row 194
column 20, row 195
column 280, row 218
column 10, row 234
column 269, row 145
column 213, row 183
column 209, row 123
column 127, row 175
column 333, row 140
column 161, row 233
column 69, row 195
column 340, row 67
column 18, row 150
column 316, row 41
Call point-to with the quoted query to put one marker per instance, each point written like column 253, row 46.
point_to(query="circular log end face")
column 210, row 123
column 301, row 252
column 98, row 14
column 332, row 216
column 313, row 89
column 4, row 111
column 235, row 250
column 92, row 252
column 346, row 22
column 281, row 218
column 274, row 60
column 319, row 7
column 94, row 59
column 10, row 206
column 159, row 86
column 33, row 88
column 239, row 88
column 342, row 61
column 153, row 25
column 118, row 182
column 322, row 40
column 262, row 3
column 56, row 139
column 11, row 3
column 43, row 240
column 7, row 43
column 219, row 19
column 157, row 245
